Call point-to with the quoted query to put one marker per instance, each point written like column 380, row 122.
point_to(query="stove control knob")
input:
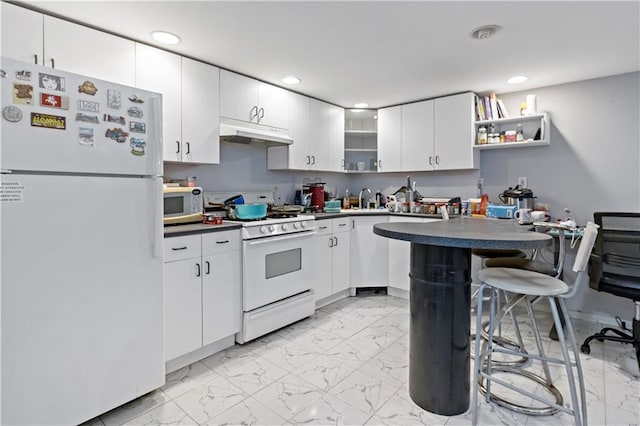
column 263, row 229
column 296, row 225
column 272, row 228
column 303, row 224
column 285, row 226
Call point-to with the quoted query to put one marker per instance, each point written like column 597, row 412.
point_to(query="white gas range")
column 277, row 262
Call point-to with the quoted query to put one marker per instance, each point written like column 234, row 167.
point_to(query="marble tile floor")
column 348, row 364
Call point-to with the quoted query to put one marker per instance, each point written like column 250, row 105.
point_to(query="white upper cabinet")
column 22, row 34
column 390, row 139
column 454, row 132
column 200, row 112
column 417, row 136
column 317, row 130
column 245, row 99
column 335, row 134
column 190, row 123
column 82, row 50
column 160, row 71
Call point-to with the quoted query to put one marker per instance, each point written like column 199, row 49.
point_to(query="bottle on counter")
column 345, row 200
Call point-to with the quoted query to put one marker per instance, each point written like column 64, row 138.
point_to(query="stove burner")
column 280, row 215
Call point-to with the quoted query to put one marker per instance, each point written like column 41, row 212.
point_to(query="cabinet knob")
column 178, row 147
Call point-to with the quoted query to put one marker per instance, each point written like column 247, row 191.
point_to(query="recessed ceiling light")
column 485, row 32
column 361, row 105
column 518, row 79
column 291, row 80
column 356, row 110
column 165, row 37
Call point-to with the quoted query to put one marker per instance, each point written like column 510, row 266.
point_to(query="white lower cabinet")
column 202, row 290
column 399, row 255
column 369, row 253
column 331, row 251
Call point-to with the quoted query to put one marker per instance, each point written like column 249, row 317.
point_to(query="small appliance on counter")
column 182, row 205
column 316, row 190
column 518, row 196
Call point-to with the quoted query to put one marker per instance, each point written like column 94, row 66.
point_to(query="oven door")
column 275, row 268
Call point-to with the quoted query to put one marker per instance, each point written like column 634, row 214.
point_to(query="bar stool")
column 487, row 255
column 528, row 287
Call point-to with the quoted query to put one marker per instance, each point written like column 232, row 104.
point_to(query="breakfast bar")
column 440, row 277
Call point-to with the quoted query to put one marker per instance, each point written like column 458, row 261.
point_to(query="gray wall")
column 593, row 163
column 244, row 167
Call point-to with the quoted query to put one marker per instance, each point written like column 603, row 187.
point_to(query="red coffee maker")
column 317, row 195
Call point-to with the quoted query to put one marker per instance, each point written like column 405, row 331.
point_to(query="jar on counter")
column 510, row 136
column 482, row 136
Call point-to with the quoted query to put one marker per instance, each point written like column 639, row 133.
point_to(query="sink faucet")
column 360, row 196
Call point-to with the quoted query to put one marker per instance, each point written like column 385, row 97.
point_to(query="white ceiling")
column 385, row 53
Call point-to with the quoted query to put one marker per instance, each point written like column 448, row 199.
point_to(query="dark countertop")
column 466, row 232
column 356, row 213
column 198, row 228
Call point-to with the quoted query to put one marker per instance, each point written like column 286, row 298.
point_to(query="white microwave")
column 183, row 205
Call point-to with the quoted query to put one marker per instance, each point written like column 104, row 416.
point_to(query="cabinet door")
column 200, row 112
column 22, row 34
column 399, row 252
column 273, row 106
column 318, row 134
column 417, row 136
column 369, row 254
column 453, row 123
column 238, row 97
column 340, row 259
column 82, row 50
column 160, row 71
column 299, row 157
column 335, row 138
column 322, row 265
column 390, row 139
column 221, row 296
column 182, row 307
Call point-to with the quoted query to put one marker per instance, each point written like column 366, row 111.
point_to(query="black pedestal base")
column 439, row 333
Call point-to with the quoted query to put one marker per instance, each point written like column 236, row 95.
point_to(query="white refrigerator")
column 81, row 227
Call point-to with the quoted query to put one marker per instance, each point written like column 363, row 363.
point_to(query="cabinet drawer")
column 179, row 248
column 324, row 226
column 341, row 224
column 219, row 242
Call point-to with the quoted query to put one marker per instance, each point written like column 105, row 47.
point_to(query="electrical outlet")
column 522, row 181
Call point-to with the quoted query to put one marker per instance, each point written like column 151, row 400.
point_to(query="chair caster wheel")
column 585, row 349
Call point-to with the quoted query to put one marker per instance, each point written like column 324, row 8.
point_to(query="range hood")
column 246, row 133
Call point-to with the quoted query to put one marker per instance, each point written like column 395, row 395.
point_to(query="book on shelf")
column 487, row 108
column 480, row 113
column 502, row 110
column 494, row 106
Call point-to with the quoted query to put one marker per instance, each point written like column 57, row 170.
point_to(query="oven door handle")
column 270, row 240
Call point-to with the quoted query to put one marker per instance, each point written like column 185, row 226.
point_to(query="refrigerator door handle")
column 156, row 218
column 156, row 108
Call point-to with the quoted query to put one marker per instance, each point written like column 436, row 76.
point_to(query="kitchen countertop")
column 201, row 228
column 356, row 213
column 466, row 232
column 198, row 228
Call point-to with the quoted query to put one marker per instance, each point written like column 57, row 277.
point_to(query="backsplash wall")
column 244, row 167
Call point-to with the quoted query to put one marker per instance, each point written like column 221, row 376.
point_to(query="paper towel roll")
column 531, row 104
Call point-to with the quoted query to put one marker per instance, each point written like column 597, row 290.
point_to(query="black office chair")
column 615, row 269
